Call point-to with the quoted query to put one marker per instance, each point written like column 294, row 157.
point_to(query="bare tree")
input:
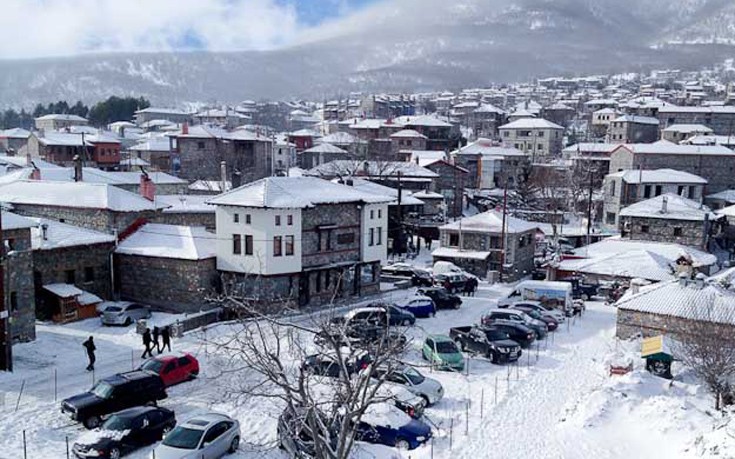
column 263, row 357
column 707, row 346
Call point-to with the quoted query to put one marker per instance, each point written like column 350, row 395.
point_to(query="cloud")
column 41, row 28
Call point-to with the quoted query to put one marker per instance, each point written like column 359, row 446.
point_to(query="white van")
column 551, row 294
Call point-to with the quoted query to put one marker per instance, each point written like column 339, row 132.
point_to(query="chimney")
column 699, row 280
column 664, row 205
column 77, row 168
column 44, row 231
column 683, row 279
column 185, row 128
column 236, row 179
column 223, row 176
column 147, row 187
column 36, row 173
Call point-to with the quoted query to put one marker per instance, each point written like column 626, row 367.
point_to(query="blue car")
column 385, row 424
column 420, row 306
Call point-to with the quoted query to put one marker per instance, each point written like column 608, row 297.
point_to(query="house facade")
column 18, row 271
column 537, row 138
column 633, row 129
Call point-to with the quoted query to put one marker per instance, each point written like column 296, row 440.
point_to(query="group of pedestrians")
column 470, row 286
column 150, row 342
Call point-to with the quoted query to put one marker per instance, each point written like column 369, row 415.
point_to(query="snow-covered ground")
column 559, row 402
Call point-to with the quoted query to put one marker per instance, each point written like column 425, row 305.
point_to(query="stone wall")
column 450, row 184
column 344, row 238
column 161, row 188
column 19, row 290
column 102, row 220
column 168, row 284
column 251, row 158
column 205, row 219
column 633, row 323
column 720, row 123
column 663, row 230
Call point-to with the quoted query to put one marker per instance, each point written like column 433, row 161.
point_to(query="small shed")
column 71, row 303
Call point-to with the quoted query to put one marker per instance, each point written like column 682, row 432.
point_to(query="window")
column 610, row 218
column 318, row 281
column 453, row 240
column 200, row 145
column 289, row 245
column 380, row 213
column 89, row 274
column 658, row 190
column 289, row 220
column 236, row 244
column 69, row 275
column 540, row 147
column 677, row 231
column 680, row 190
column 647, row 191
column 371, row 237
column 612, row 188
column 372, row 214
column 248, row 244
column 9, row 244
column 692, row 192
column 506, row 134
column 644, row 229
column 540, row 133
column 278, row 220
column 345, row 238
column 277, row 242
column 236, row 218
column 13, row 301
column 379, row 240
column 247, row 219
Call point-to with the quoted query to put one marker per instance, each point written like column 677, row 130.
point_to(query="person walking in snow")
column 90, row 347
column 166, row 336
column 473, row 285
column 147, row 343
column 155, row 335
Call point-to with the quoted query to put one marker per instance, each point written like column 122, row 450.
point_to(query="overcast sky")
column 43, row 28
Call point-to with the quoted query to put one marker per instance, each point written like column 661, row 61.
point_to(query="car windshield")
column 414, row 376
column 533, row 314
column 118, row 423
column 102, row 390
column 446, row 347
column 113, row 309
column 495, row 335
column 183, row 438
column 153, row 365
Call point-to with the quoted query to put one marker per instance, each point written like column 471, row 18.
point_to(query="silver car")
column 208, row 436
column 124, row 313
column 410, row 379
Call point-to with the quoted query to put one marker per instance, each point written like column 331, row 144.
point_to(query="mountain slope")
column 404, row 45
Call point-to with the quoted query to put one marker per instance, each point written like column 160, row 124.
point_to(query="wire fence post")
column 467, row 367
column 20, row 394
column 25, row 453
column 538, row 345
column 432, row 449
column 451, row 429
column 496, row 390
column 67, row 447
column 132, row 359
column 55, row 383
column 482, row 403
column 467, row 418
column 518, row 370
column 528, row 359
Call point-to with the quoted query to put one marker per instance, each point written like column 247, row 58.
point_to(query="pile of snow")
column 385, row 414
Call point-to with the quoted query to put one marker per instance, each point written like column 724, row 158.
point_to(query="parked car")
column 417, row 276
column 442, row 298
column 580, row 289
column 173, row 368
column 555, row 314
column 406, row 401
column 419, row 306
column 364, row 337
column 294, row 436
column 398, row 316
column 385, row 424
column 442, row 353
column 210, row 435
column 494, row 344
column 412, row 380
column 358, row 317
column 551, row 323
column 453, row 282
column 328, row 365
column 124, row 313
column 112, row 394
column 554, row 295
column 124, row 432
column 519, row 333
column 519, row 317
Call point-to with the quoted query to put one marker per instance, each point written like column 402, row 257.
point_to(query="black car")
column 492, row 343
column 328, row 365
column 125, row 432
column 112, row 394
column 519, row 333
column 442, row 298
column 398, row 316
column 417, row 276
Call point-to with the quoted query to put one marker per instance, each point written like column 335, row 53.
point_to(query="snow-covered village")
column 441, row 262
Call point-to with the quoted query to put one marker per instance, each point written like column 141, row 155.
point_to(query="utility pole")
column 502, row 231
column 6, row 337
column 589, row 207
column 398, row 241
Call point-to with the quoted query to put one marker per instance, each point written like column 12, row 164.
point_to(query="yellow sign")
column 652, row 345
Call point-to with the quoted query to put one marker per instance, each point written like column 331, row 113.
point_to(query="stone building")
column 600, row 121
column 450, row 185
column 321, row 154
column 670, row 218
column 624, row 188
column 18, row 271
column 678, row 306
column 476, row 245
column 66, row 254
column 186, row 210
column 99, row 207
column 172, row 268
column 302, row 240
column 156, row 151
column 720, row 119
column 56, row 122
column 169, row 114
column 201, row 149
column 411, row 176
column 716, row 164
column 594, row 157
column 536, row 137
column 490, row 165
column 486, row 119
column 14, row 140
column 678, row 133
column 407, row 139
column 633, row 129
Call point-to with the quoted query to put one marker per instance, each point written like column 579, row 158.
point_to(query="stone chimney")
column 185, row 128
column 147, row 187
column 683, row 279
column 699, row 280
column 36, row 173
column 664, row 205
column 78, row 170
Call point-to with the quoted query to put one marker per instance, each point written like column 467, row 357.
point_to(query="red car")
column 173, row 368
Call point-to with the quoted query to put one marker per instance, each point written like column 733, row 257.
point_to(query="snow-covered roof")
column 659, row 176
column 153, row 144
column 13, row 221
column 639, row 263
column 449, row 252
column 725, row 195
column 710, row 302
column 341, row 138
column 531, row 123
column 63, row 290
column 15, row 133
column 381, row 190
column 522, row 113
column 427, row 195
column 75, row 195
column 409, row 133
column 615, row 245
column 605, row 111
column 294, row 192
column 210, row 185
column 61, row 117
column 702, row 110
column 668, row 148
column 589, row 147
column 61, row 139
column 677, row 208
column 185, row 203
column 59, row 235
column 636, row 119
column 689, row 128
column 163, row 111
column 488, row 108
column 421, row 120
column 325, row 148
column 490, row 222
column 486, row 147
column 170, row 241
column 344, row 167
column 305, row 133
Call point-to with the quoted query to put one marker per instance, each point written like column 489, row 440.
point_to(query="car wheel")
column 406, row 322
column 234, row 445
column 460, row 344
column 114, row 453
column 402, row 444
column 426, row 399
column 493, row 357
column 92, row 422
column 128, row 321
